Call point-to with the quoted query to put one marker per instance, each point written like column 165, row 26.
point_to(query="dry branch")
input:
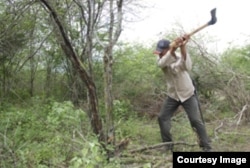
column 237, row 133
column 217, row 128
column 160, row 145
column 241, row 113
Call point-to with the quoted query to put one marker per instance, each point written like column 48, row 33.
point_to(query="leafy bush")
column 47, row 135
column 123, row 110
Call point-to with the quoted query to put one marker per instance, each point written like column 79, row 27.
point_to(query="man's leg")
column 191, row 107
column 169, row 107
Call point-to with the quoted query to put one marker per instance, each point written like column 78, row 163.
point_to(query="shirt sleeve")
column 188, row 63
column 181, row 64
column 164, row 60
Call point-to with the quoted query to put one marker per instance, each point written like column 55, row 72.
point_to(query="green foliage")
column 123, row 110
column 139, row 129
column 136, row 76
column 56, row 134
column 90, row 155
column 238, row 59
column 135, row 66
column 15, row 20
column 37, row 131
column 47, row 135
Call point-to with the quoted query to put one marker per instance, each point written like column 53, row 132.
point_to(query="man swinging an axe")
column 180, row 88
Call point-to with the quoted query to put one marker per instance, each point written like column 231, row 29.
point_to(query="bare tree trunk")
column 32, row 76
column 113, row 35
column 32, row 59
column 47, row 87
column 77, row 64
column 108, row 96
column 89, row 21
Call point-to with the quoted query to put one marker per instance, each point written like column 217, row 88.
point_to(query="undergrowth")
column 48, row 135
column 55, row 134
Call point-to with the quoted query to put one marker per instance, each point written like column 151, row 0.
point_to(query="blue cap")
column 162, row 45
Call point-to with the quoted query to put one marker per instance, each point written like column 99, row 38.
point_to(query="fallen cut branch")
column 160, row 145
column 122, row 144
column 134, row 160
column 236, row 133
column 241, row 113
column 217, row 129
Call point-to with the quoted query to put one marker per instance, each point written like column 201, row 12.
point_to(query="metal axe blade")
column 213, row 17
column 211, row 22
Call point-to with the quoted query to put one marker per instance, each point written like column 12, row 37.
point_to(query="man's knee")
column 160, row 118
column 196, row 122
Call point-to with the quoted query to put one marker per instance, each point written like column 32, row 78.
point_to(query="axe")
column 211, row 22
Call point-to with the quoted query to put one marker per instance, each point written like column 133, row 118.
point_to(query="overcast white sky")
column 233, row 25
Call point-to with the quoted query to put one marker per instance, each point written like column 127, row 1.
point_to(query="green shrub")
column 123, row 110
column 48, row 135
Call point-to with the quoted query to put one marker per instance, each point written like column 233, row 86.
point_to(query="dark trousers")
column 191, row 107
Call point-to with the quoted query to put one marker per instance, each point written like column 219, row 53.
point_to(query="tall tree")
column 71, row 54
column 114, row 31
column 13, row 37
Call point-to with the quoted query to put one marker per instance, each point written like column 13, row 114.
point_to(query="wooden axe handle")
column 198, row 29
column 172, row 44
column 211, row 22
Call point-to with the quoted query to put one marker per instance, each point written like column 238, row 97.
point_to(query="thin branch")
column 35, row 52
column 160, row 145
column 217, row 128
column 241, row 113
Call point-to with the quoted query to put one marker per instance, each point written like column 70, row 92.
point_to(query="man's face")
column 163, row 52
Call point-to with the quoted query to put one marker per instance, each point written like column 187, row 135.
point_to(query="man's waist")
column 181, row 95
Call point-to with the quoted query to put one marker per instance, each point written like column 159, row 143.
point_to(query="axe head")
column 213, row 17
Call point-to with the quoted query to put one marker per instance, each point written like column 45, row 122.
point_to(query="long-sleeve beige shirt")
column 179, row 83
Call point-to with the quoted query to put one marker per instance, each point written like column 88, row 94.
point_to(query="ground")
column 225, row 134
